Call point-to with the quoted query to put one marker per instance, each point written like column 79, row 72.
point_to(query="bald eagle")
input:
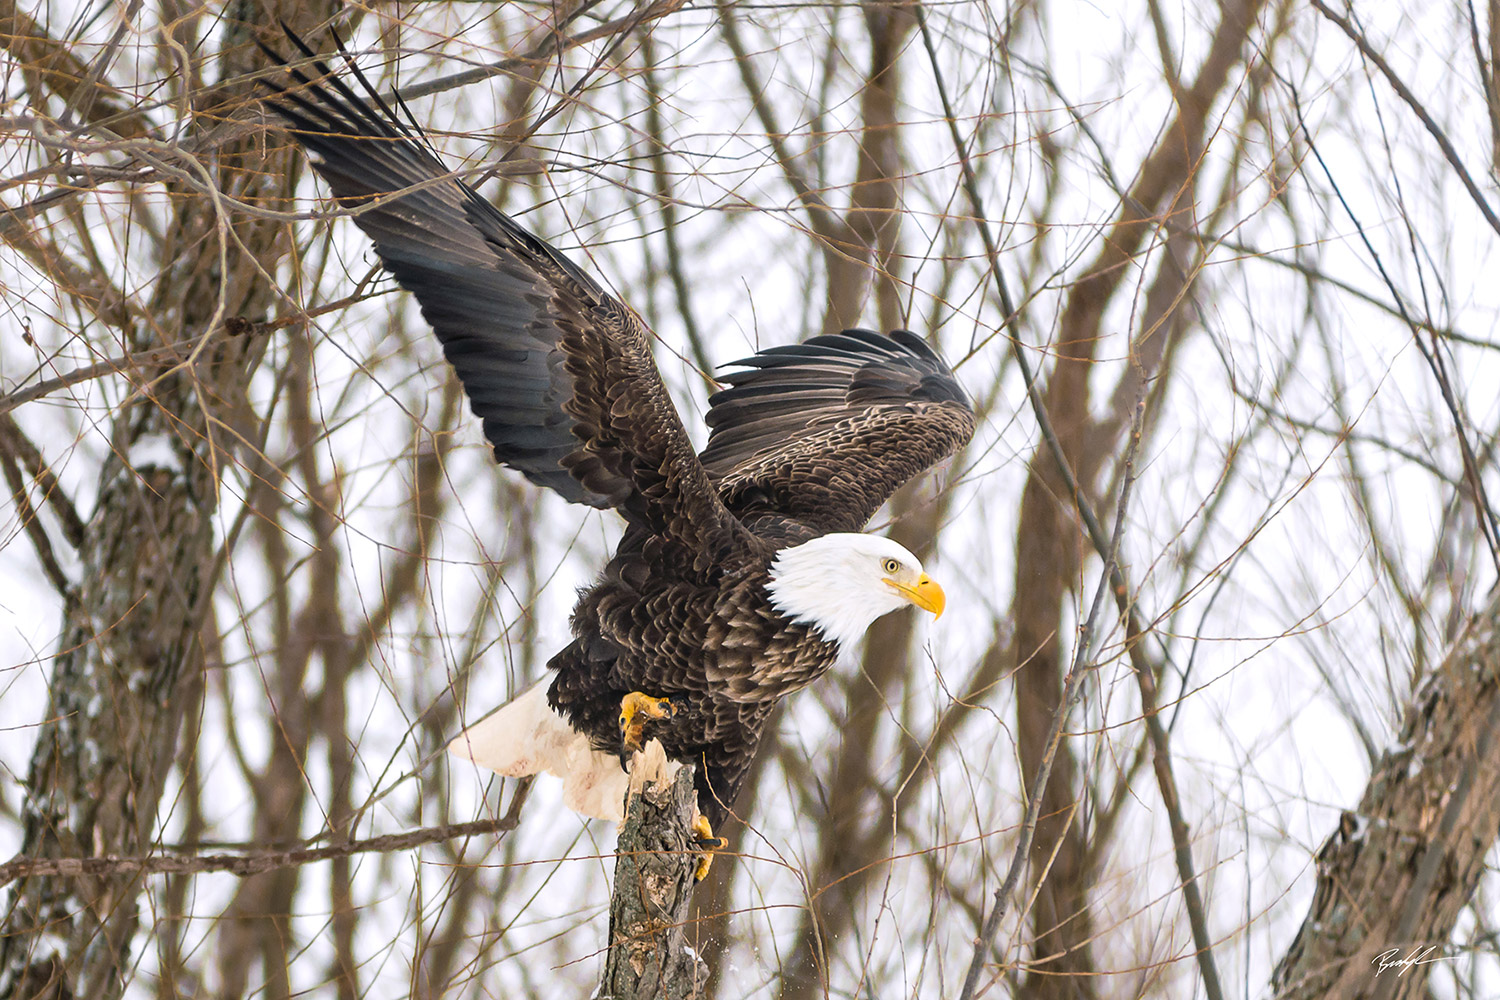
column 741, row 572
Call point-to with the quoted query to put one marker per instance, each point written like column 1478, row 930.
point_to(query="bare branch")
column 253, row 862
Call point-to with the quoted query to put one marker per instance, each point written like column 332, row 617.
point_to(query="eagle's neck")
column 821, row 583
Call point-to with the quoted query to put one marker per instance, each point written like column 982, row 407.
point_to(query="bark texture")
column 1398, row 871
column 655, row 860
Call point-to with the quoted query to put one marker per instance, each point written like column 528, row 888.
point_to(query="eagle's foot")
column 708, row 845
column 636, row 710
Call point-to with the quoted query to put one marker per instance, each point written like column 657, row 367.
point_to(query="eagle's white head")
column 841, row 583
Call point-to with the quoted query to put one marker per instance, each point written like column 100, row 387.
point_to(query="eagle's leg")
column 636, row 710
column 708, row 844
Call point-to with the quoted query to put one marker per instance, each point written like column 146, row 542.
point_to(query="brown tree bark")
column 1401, row 867
column 655, row 860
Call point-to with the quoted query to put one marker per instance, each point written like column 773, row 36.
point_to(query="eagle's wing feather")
column 825, row 431
column 559, row 372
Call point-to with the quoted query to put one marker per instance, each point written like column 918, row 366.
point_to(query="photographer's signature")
column 1393, row 959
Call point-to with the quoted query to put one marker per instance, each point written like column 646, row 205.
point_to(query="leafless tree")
column 1214, row 709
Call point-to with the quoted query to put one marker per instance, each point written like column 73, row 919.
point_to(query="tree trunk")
column 654, row 866
column 1398, row 871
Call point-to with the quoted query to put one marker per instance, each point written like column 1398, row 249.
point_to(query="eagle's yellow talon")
column 636, row 710
column 708, row 844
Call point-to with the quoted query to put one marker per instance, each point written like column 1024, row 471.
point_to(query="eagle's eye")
column 891, row 566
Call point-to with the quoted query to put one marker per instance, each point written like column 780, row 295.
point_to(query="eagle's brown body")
column 686, row 642
column 807, row 440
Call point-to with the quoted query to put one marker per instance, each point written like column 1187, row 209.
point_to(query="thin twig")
column 1402, row 91
column 123, row 364
column 1489, row 523
column 825, row 222
column 1072, row 694
column 206, row 143
column 656, row 139
column 554, row 42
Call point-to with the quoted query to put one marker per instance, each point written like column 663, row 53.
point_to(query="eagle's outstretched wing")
column 559, row 372
column 825, row 431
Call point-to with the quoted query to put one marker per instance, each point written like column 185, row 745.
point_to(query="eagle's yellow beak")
column 925, row 594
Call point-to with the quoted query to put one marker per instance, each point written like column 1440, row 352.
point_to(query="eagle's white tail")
column 525, row 736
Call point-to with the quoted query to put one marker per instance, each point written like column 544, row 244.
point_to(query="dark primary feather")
column 558, row 371
column 825, row 431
